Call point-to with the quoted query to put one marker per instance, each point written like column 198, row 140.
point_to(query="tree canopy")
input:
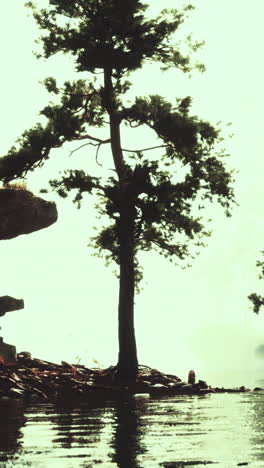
column 116, row 36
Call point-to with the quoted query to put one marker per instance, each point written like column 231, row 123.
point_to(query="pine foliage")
column 118, row 37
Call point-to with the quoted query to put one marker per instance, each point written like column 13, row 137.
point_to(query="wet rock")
column 187, row 387
column 25, row 354
column 21, row 212
column 158, row 386
column 158, row 390
column 9, row 304
column 176, row 384
column 202, row 384
column 231, row 390
column 258, row 389
column 153, row 376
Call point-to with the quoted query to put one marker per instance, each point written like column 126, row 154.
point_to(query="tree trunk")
column 127, row 366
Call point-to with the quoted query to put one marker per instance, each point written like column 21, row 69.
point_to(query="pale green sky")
column 197, row 318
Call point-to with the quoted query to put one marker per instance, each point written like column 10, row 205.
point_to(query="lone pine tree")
column 149, row 200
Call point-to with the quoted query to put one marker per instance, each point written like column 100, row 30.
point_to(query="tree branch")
column 90, row 137
column 145, row 149
column 80, row 147
column 97, row 153
column 98, row 145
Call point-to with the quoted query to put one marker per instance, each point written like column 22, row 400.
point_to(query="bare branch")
column 98, row 145
column 97, row 153
column 145, row 149
column 89, row 137
column 80, row 147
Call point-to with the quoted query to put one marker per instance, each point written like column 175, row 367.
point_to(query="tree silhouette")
column 150, row 200
column 256, row 299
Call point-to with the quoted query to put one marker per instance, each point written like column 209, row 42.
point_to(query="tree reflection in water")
column 77, row 427
column 12, row 419
column 135, row 432
column 128, row 432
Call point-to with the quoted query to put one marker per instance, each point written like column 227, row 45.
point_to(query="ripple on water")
column 224, row 429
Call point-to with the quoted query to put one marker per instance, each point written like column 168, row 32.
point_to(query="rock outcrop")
column 21, row 212
column 9, row 304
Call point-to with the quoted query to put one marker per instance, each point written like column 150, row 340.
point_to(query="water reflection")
column 129, row 428
column 63, row 424
column 257, row 424
column 77, row 427
column 11, row 421
column 136, row 433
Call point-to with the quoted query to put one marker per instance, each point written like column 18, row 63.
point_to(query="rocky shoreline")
column 23, row 377
column 33, row 379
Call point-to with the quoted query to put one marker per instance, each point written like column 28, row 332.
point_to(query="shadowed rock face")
column 8, row 304
column 21, row 212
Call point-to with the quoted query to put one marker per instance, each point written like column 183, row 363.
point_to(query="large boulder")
column 8, row 304
column 21, row 212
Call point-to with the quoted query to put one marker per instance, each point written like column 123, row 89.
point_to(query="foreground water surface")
column 223, row 429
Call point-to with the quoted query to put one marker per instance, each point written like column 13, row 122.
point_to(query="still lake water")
column 182, row 431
